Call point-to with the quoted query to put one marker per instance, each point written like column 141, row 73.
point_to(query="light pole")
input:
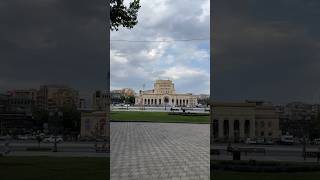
column 59, row 118
column 304, row 148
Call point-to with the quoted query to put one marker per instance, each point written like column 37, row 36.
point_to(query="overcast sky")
column 264, row 49
column 186, row 63
column 267, row 49
column 53, row 42
column 63, row 42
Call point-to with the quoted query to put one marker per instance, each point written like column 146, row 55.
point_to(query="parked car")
column 286, row 139
column 316, row 141
column 23, row 137
column 260, row 141
column 52, row 139
column 250, row 141
column 269, row 142
column 86, row 139
column 4, row 138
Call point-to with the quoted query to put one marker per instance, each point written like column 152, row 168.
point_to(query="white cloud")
column 205, row 7
column 134, row 64
column 179, row 72
column 117, row 58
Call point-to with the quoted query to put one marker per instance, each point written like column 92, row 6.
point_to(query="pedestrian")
column 6, row 148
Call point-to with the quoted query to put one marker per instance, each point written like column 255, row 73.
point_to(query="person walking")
column 6, row 150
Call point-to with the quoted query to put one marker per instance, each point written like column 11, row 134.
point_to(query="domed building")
column 164, row 94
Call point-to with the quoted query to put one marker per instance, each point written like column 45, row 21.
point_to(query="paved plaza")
column 159, row 151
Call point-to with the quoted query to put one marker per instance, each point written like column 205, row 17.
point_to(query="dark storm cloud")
column 267, row 50
column 53, row 41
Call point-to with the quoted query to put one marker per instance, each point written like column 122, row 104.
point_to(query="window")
column 87, row 124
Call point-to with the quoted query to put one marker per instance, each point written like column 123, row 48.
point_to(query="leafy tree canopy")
column 121, row 15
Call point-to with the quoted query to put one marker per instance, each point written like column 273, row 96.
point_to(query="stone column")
column 241, row 128
column 220, row 122
column 252, row 128
column 231, row 130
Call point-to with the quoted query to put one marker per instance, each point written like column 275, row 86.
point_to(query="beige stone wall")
column 164, row 87
column 94, row 124
column 164, row 90
column 267, row 122
column 231, row 113
column 238, row 121
column 173, row 100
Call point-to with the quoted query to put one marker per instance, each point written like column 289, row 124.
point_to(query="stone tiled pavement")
column 167, row 151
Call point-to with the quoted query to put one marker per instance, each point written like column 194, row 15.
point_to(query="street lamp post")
column 304, row 148
column 55, row 148
column 59, row 118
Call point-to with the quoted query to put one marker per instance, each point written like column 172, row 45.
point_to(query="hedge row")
column 255, row 166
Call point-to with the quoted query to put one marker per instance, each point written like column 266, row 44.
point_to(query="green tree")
column 127, row 99
column 40, row 117
column 123, row 99
column 315, row 126
column 130, row 99
column 71, row 118
column 121, row 15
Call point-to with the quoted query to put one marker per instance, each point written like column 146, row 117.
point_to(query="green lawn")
column 156, row 117
column 53, row 168
column 227, row 175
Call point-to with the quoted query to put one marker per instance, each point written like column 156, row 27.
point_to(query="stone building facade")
column 99, row 100
column 296, row 118
column 236, row 122
column 164, row 94
column 94, row 124
column 21, row 100
column 53, row 97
